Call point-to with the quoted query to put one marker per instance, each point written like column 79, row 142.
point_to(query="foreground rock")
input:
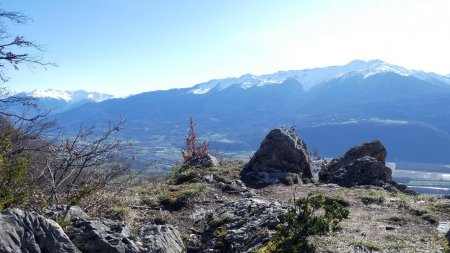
column 29, row 232
column 110, row 237
column 242, row 226
column 102, row 236
column 282, row 157
column 363, row 164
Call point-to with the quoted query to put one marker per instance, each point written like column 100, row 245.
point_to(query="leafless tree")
column 78, row 165
column 63, row 168
column 15, row 49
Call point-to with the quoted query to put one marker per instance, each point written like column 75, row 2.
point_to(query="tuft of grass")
column 371, row 196
column 181, row 197
column 396, row 220
column 189, row 175
column 365, row 245
column 445, row 244
column 150, row 201
column 431, row 218
column 121, row 213
column 397, row 246
column 403, row 202
column 368, row 200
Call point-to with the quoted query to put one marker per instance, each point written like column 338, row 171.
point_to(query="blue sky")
column 123, row 47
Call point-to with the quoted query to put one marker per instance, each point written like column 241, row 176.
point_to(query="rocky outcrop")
column 282, row 155
column 363, row 164
column 29, row 232
column 161, row 239
column 204, row 161
column 242, row 226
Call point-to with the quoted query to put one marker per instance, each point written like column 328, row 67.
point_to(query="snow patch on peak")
column 308, row 78
column 376, row 67
column 49, row 93
column 70, row 96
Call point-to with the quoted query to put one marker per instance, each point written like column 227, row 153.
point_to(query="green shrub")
column 186, row 176
column 313, row 215
column 396, row 220
column 14, row 187
column 121, row 213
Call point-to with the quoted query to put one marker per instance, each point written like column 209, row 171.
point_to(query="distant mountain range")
column 333, row 108
column 57, row 101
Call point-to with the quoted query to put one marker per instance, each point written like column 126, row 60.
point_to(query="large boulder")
column 29, row 232
column 282, row 155
column 364, row 164
column 362, row 171
column 373, row 149
column 242, row 226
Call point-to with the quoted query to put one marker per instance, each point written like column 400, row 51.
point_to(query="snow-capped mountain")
column 309, row 78
column 336, row 107
column 57, row 101
column 70, row 96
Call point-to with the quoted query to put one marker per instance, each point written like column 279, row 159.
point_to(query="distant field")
column 424, row 178
column 425, row 167
column 429, row 182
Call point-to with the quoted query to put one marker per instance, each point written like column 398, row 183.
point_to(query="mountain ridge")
column 234, row 118
column 315, row 76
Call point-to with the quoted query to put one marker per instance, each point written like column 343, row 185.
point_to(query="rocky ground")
column 380, row 220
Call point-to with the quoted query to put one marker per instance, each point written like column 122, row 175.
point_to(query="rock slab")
column 282, row 155
column 242, row 226
column 32, row 233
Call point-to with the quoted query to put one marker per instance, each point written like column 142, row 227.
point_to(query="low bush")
column 313, row 215
column 14, row 188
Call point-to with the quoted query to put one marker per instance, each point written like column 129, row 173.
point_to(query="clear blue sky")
column 123, row 47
